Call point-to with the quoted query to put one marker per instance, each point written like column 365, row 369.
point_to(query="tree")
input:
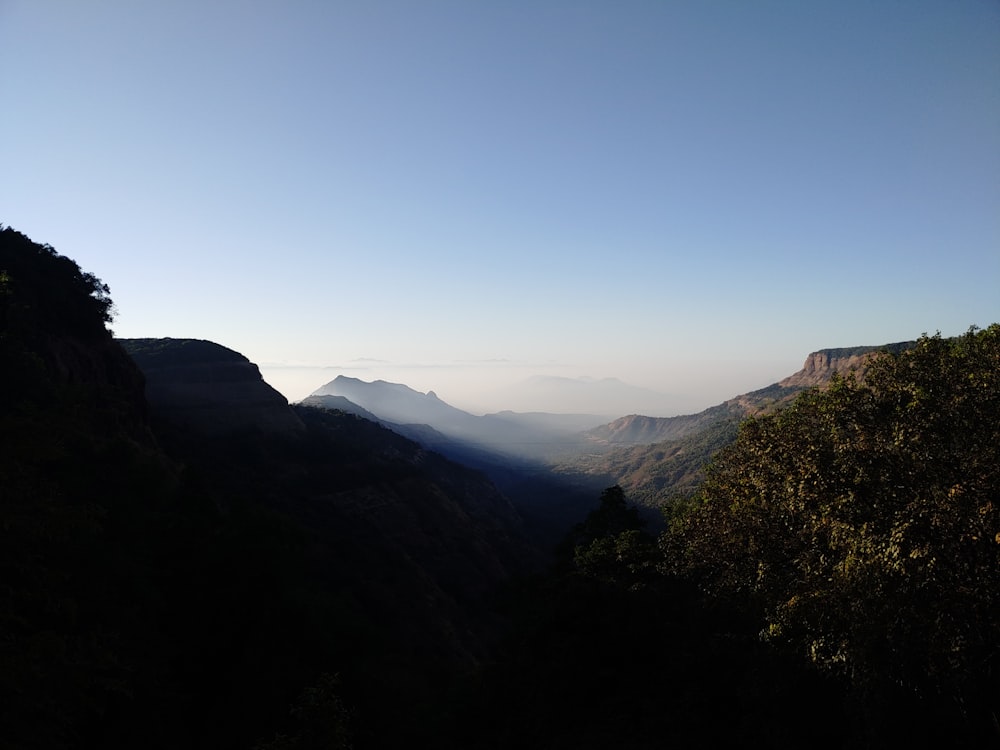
column 610, row 544
column 864, row 522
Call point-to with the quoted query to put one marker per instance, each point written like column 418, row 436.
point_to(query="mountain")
column 819, row 368
column 539, row 420
column 209, row 388
column 609, row 396
column 532, row 436
column 184, row 556
column 514, row 450
column 188, row 562
column 399, row 403
column 656, row 459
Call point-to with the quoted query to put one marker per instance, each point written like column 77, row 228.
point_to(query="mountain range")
column 655, row 459
column 188, row 561
column 534, row 435
column 551, row 393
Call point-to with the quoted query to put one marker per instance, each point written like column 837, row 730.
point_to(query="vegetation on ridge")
column 855, row 535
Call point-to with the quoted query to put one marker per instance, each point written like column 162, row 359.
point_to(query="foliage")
column 162, row 588
column 41, row 290
column 610, row 543
column 605, row 651
column 177, row 352
column 864, row 522
column 322, row 719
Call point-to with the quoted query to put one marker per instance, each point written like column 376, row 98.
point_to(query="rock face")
column 201, row 385
column 820, row 366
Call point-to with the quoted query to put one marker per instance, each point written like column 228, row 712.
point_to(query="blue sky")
column 689, row 196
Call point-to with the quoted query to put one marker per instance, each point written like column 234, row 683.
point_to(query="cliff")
column 204, row 386
column 820, row 366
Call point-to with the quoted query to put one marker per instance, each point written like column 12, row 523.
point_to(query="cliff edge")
column 201, row 385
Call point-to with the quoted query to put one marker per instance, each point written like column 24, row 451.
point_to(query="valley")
column 189, row 561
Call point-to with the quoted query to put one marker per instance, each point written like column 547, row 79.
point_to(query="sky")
column 689, row 196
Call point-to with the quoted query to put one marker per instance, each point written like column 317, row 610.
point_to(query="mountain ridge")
column 657, row 459
column 817, row 370
column 525, row 435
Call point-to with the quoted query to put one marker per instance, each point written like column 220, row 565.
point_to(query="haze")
column 687, row 196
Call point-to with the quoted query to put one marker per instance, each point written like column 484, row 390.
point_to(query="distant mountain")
column 818, row 369
column 514, row 450
column 636, row 429
column 654, row 459
column 424, row 434
column 567, row 423
column 397, row 402
column 534, row 435
column 609, row 396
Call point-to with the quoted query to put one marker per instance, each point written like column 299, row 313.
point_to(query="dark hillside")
column 170, row 586
column 207, row 388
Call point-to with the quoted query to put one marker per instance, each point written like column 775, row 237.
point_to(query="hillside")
column 657, row 459
column 509, row 448
column 183, row 555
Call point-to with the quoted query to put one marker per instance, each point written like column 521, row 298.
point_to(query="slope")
column 658, row 459
column 174, row 582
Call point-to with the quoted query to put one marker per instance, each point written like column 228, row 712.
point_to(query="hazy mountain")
column 514, row 450
column 424, row 434
column 818, row 369
column 636, row 429
column 566, row 423
column 533, row 435
column 610, row 396
column 398, row 403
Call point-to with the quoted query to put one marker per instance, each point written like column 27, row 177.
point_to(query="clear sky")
column 689, row 196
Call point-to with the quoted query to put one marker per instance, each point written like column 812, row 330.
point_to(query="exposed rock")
column 820, row 366
column 214, row 390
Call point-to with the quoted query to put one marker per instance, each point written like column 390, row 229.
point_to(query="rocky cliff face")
column 820, row 366
column 214, row 390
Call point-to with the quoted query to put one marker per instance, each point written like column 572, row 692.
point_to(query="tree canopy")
column 863, row 521
column 43, row 292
